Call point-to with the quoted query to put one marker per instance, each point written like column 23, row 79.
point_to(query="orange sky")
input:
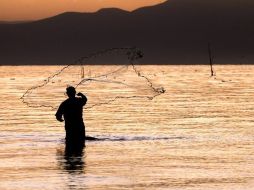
column 35, row 9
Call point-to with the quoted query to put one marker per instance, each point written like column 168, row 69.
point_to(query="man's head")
column 71, row 92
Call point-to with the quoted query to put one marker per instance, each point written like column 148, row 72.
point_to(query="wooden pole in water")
column 211, row 57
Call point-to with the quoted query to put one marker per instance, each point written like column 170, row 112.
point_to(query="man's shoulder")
column 70, row 101
column 64, row 102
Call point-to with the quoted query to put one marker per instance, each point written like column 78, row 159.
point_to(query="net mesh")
column 100, row 83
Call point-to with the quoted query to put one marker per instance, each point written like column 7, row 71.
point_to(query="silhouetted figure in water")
column 72, row 112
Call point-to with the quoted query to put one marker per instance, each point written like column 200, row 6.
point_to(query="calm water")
column 198, row 135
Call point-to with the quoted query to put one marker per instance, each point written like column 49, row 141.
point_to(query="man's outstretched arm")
column 83, row 98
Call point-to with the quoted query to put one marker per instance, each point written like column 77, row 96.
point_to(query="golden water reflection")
column 198, row 135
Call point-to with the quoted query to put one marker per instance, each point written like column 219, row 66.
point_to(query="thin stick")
column 211, row 58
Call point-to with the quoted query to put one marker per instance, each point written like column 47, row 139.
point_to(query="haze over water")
column 197, row 135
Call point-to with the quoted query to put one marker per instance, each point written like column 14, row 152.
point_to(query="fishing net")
column 102, row 84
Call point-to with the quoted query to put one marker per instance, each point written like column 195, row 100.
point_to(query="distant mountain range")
column 174, row 32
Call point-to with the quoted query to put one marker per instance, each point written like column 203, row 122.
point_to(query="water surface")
column 197, row 135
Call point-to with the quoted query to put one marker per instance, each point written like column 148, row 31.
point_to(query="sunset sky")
column 14, row 10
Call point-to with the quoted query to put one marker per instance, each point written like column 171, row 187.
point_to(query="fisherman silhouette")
column 72, row 112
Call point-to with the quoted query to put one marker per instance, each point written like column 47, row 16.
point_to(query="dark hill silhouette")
column 174, row 32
